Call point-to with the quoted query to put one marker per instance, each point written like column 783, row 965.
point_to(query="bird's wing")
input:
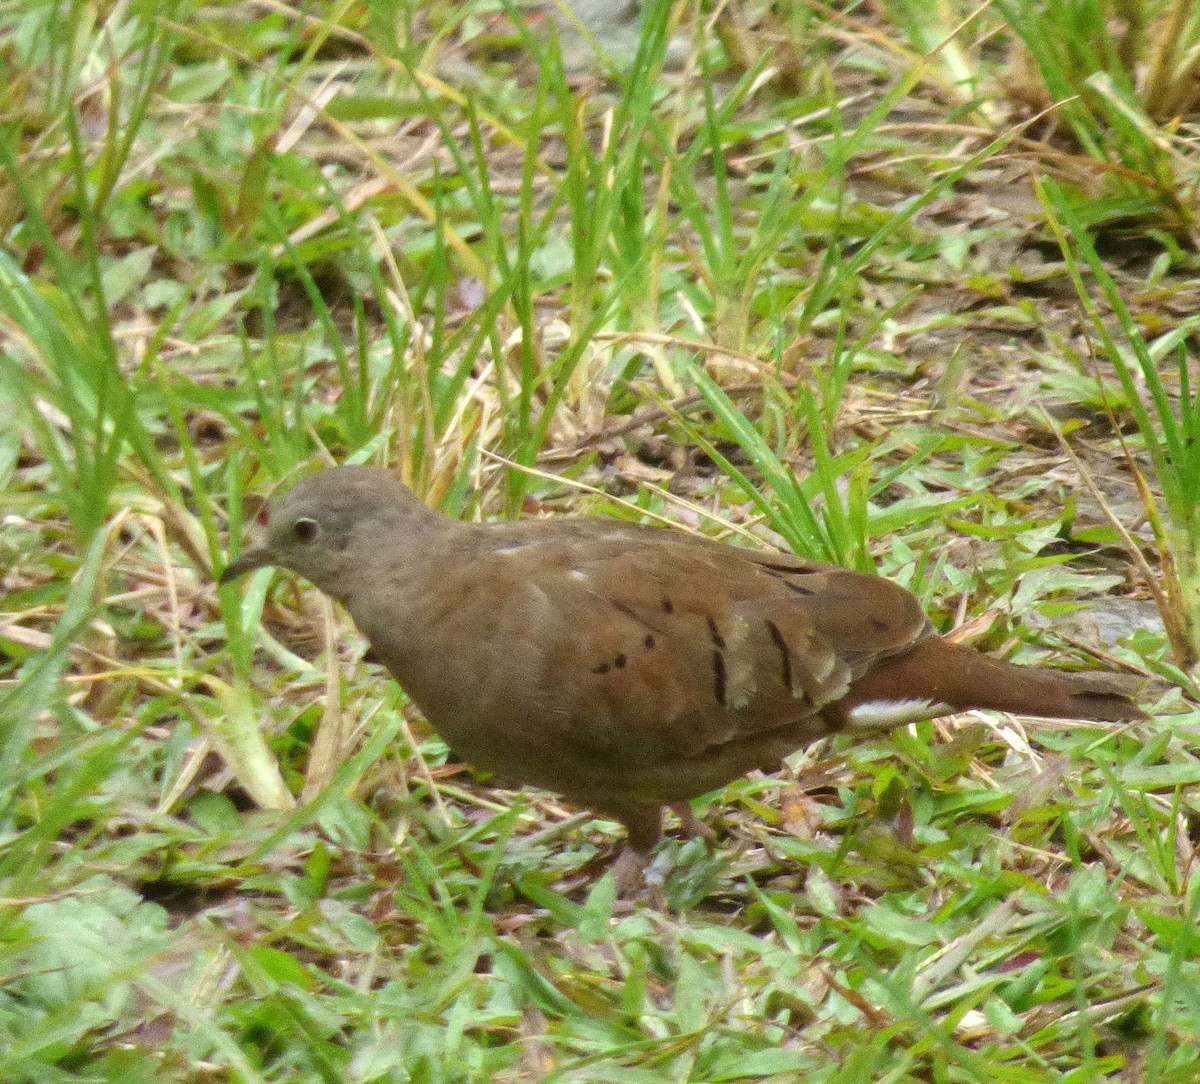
column 653, row 651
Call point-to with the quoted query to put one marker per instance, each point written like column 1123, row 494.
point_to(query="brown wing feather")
column 600, row 659
column 680, row 665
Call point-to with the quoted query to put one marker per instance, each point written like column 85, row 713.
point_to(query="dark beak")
column 252, row 558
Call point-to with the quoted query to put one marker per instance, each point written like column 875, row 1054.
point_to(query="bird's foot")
column 629, row 871
column 692, row 826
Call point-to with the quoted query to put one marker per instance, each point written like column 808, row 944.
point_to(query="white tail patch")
column 885, row 714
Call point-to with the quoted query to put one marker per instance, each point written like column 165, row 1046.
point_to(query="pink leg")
column 629, row 871
column 691, row 825
column 644, row 826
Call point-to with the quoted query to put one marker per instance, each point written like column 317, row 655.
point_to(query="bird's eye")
column 305, row 530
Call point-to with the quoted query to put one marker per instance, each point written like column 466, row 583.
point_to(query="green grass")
column 840, row 293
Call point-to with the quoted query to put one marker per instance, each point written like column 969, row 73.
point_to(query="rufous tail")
column 939, row 671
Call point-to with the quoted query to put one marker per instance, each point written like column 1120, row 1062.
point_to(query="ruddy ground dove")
column 628, row 667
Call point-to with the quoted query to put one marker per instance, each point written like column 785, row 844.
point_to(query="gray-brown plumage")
column 626, row 667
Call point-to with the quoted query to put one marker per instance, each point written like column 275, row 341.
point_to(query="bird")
column 631, row 668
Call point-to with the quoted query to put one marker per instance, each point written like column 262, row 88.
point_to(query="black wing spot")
column 667, row 605
column 785, row 654
column 792, row 568
column 789, row 580
column 619, row 662
column 603, row 668
column 719, row 677
column 717, row 639
column 649, row 642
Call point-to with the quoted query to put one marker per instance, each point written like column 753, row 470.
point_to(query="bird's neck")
column 402, row 559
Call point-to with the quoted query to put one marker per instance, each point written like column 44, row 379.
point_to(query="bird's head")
column 332, row 523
